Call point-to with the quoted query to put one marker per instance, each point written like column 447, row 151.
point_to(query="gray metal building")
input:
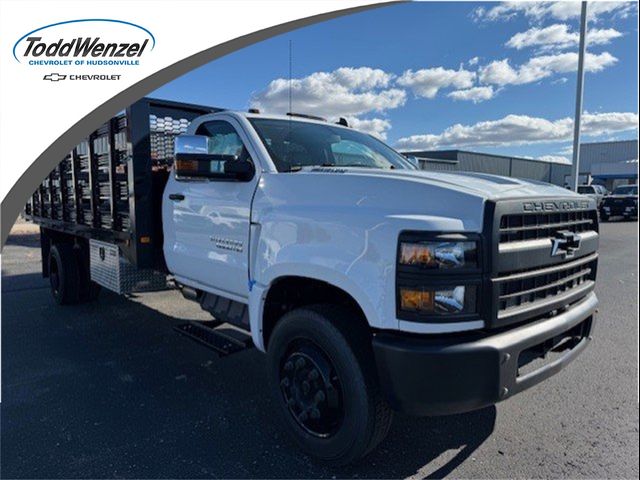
column 609, row 163
column 606, row 163
column 461, row 160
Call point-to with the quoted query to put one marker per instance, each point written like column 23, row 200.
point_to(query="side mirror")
column 194, row 160
column 413, row 160
column 191, row 145
column 241, row 170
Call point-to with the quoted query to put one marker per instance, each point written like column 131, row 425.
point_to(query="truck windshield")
column 294, row 145
column 626, row 190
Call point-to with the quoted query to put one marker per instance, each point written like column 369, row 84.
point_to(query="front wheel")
column 322, row 375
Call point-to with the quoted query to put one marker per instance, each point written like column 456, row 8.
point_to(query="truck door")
column 206, row 221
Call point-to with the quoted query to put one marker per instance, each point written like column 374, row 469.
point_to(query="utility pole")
column 575, row 167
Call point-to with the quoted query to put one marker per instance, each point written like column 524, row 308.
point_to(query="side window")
column 224, row 141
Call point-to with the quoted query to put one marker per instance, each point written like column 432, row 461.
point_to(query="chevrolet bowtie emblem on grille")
column 565, row 244
column 54, row 77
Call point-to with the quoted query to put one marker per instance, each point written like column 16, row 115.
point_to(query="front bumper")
column 441, row 376
column 619, row 210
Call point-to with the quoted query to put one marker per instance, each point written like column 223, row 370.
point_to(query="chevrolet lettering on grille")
column 555, row 206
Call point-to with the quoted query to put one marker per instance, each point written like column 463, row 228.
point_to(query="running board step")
column 224, row 341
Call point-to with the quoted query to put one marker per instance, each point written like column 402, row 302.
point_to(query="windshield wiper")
column 297, row 168
column 350, row 165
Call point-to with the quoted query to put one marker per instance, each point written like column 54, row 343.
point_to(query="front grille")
column 528, row 287
column 537, row 268
column 533, row 226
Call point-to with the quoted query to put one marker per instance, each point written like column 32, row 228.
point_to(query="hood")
column 412, row 199
column 486, row 186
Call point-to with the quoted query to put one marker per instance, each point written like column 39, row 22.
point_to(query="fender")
column 347, row 239
column 259, row 291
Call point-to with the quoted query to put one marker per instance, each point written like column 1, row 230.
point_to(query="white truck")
column 371, row 286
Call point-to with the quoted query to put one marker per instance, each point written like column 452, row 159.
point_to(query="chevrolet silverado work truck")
column 370, row 285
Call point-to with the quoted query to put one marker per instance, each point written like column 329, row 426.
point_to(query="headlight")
column 439, row 301
column 440, row 255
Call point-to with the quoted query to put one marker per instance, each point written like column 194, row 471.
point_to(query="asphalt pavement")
column 108, row 389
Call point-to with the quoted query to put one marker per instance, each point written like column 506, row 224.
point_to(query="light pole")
column 575, row 167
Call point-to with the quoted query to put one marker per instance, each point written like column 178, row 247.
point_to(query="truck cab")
column 449, row 292
column 597, row 192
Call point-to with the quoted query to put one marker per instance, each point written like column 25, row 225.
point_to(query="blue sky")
column 478, row 76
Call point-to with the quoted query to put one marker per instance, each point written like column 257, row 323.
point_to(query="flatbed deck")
column 109, row 186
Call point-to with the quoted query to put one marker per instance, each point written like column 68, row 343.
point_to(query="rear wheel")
column 323, row 380
column 64, row 274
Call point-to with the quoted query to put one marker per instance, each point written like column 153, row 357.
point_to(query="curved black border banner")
column 15, row 200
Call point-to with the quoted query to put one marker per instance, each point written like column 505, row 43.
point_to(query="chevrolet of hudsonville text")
column 371, row 286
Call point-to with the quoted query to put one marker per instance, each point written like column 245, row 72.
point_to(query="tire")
column 604, row 218
column 350, row 417
column 64, row 274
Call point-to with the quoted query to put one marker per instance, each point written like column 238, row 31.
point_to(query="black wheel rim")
column 54, row 277
column 311, row 389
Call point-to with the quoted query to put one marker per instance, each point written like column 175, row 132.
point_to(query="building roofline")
column 456, row 151
column 609, row 141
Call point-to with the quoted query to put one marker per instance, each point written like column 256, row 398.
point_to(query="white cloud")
column 475, row 94
column 554, row 159
column 375, row 126
column 500, row 72
column 428, row 81
column 559, row 36
column 601, row 36
column 537, row 11
column 566, row 150
column 473, row 61
column 361, row 78
column 594, row 124
column 343, row 92
column 520, row 130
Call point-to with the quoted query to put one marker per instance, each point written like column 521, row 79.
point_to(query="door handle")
column 178, row 197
